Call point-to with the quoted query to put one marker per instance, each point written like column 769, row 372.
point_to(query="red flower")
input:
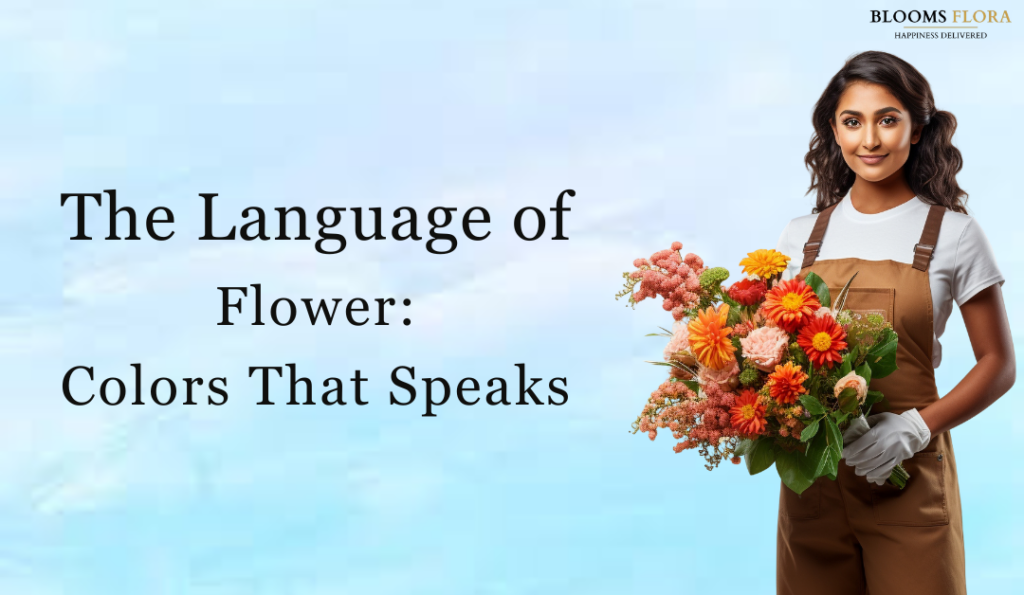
column 748, row 413
column 790, row 303
column 822, row 339
column 747, row 292
column 786, row 383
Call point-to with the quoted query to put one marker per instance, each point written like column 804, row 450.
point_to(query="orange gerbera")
column 790, row 303
column 786, row 383
column 709, row 337
column 822, row 339
column 748, row 413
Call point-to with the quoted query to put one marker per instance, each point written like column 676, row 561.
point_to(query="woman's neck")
column 874, row 197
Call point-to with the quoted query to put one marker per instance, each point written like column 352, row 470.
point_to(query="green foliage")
column 848, row 400
column 743, row 446
column 810, row 430
column 847, row 365
column 882, row 356
column 873, row 397
column 798, row 356
column 760, row 456
column 692, row 385
column 864, row 371
column 749, row 376
column 812, row 404
column 826, row 449
column 820, row 289
column 712, row 278
column 794, row 470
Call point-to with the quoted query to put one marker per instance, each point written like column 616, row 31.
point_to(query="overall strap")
column 924, row 249
column 813, row 245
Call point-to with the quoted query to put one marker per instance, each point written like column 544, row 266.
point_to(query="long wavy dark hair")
column 933, row 163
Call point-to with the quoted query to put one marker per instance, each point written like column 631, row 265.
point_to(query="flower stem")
column 899, row 477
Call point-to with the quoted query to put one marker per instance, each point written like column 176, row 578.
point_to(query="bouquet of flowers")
column 769, row 370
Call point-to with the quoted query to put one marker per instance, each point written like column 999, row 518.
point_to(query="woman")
column 889, row 209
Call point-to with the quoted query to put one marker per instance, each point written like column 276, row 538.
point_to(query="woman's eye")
column 851, row 122
column 889, row 121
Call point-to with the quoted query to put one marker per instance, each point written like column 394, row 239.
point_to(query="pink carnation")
column 765, row 347
column 680, row 341
column 720, row 377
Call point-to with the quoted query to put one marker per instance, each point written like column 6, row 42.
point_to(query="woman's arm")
column 985, row 318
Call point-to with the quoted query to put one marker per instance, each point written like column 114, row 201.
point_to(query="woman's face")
column 874, row 131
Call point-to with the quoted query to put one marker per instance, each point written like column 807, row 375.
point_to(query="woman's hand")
column 891, row 440
column 985, row 318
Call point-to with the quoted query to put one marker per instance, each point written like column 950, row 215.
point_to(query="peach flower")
column 722, row 377
column 765, row 347
column 854, row 381
column 678, row 347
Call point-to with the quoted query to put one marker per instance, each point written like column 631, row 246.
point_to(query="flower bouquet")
column 769, row 370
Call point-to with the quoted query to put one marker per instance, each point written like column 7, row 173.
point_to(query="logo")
column 941, row 24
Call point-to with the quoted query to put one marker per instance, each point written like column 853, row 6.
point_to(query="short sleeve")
column 975, row 267
column 785, row 246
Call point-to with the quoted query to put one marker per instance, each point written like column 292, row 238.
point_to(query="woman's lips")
column 872, row 159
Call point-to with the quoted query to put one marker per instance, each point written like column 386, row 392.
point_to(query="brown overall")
column 851, row 536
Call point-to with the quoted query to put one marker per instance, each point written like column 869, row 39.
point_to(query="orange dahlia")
column 790, row 303
column 709, row 337
column 748, row 413
column 786, row 383
column 822, row 339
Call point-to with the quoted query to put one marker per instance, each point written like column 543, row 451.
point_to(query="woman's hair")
column 933, row 163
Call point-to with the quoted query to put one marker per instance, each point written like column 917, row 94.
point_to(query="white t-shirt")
column 962, row 265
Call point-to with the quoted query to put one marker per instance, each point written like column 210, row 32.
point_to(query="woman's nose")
column 870, row 138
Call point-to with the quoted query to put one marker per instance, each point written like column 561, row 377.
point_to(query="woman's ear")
column 916, row 134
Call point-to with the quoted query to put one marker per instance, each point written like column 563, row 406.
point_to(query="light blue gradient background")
column 672, row 121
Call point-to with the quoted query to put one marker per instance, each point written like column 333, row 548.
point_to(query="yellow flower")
column 764, row 263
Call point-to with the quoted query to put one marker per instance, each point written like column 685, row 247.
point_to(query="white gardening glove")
column 891, row 440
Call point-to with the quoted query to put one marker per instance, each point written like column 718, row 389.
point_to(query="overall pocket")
column 869, row 300
column 923, row 502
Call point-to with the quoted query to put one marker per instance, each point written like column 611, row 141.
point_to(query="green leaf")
column 760, row 456
column 812, row 404
column 847, row 366
column 840, row 416
column 848, row 400
column 864, row 371
column 873, row 397
column 657, row 335
column 882, row 355
column 809, row 431
column 793, row 470
column 743, row 446
column 692, row 385
column 820, row 289
column 826, row 449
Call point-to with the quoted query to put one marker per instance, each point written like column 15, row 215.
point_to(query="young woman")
column 889, row 209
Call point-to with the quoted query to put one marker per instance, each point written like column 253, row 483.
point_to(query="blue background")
column 672, row 121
